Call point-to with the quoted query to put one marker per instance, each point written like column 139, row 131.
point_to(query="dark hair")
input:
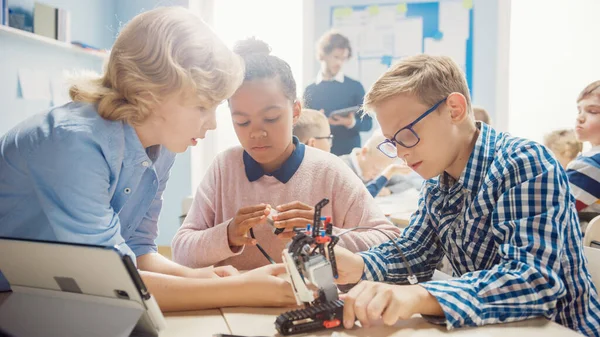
column 260, row 64
column 333, row 40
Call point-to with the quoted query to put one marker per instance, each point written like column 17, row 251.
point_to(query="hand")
column 291, row 215
column 214, row 272
column 350, row 266
column 384, row 192
column 396, row 169
column 347, row 121
column 262, row 287
column 244, row 219
column 370, row 302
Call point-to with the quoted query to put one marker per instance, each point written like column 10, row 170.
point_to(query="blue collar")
column 284, row 173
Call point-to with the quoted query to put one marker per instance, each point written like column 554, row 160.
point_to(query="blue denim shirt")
column 69, row 175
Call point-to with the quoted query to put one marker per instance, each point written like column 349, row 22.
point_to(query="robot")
column 310, row 262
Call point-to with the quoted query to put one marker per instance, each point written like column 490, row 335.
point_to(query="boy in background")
column 482, row 115
column 584, row 171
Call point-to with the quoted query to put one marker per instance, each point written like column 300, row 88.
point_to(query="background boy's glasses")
column 406, row 136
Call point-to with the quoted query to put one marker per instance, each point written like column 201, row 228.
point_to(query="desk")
column 398, row 202
column 399, row 207
column 260, row 322
column 200, row 323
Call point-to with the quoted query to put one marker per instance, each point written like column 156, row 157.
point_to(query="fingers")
column 378, row 304
column 286, row 235
column 349, row 301
column 225, row 271
column 257, row 214
column 251, row 222
column 292, row 223
column 293, row 205
column 275, row 269
column 243, row 241
column 362, row 302
column 252, row 209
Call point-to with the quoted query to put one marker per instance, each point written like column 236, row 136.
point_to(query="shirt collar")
column 135, row 153
column 284, row 173
column 477, row 165
column 339, row 77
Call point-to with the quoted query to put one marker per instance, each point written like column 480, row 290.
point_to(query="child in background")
column 382, row 175
column 499, row 207
column 584, row 171
column 271, row 168
column 482, row 115
column 564, row 145
column 312, row 129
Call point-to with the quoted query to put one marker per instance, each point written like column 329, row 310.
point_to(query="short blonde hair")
column 309, row 124
column 589, row 90
column 429, row 78
column 563, row 142
column 161, row 53
column 484, row 116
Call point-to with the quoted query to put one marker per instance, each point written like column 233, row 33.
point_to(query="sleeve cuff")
column 375, row 266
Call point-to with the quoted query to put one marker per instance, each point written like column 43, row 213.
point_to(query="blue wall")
column 95, row 22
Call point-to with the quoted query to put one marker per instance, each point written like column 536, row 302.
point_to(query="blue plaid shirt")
column 510, row 230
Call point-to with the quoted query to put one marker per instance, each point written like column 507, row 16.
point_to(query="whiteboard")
column 382, row 34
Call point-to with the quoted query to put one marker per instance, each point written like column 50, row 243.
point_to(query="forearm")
column 202, row 247
column 157, row 263
column 496, row 295
column 175, row 293
column 385, row 263
column 363, row 239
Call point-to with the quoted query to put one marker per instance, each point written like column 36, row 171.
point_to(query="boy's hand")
column 292, row 215
column 384, row 192
column 244, row 219
column 396, row 169
column 370, row 302
column 350, row 266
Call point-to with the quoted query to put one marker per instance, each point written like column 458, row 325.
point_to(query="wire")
column 412, row 278
column 261, row 248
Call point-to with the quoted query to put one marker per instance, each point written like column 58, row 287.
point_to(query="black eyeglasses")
column 330, row 138
column 406, row 136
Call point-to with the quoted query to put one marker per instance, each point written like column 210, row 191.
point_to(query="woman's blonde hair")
column 429, row 78
column 163, row 52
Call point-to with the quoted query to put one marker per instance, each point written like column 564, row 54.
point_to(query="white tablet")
column 97, row 271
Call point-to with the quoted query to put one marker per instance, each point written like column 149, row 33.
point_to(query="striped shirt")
column 584, row 177
column 510, row 231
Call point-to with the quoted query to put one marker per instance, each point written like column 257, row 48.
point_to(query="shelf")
column 6, row 30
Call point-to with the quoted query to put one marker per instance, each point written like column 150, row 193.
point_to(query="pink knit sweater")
column 202, row 239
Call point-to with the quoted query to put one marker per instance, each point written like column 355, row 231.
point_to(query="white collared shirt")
column 339, row 77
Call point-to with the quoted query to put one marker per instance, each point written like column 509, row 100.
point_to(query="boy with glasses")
column 499, row 207
column 313, row 129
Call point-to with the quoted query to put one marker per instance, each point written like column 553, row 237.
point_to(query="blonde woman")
column 94, row 170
